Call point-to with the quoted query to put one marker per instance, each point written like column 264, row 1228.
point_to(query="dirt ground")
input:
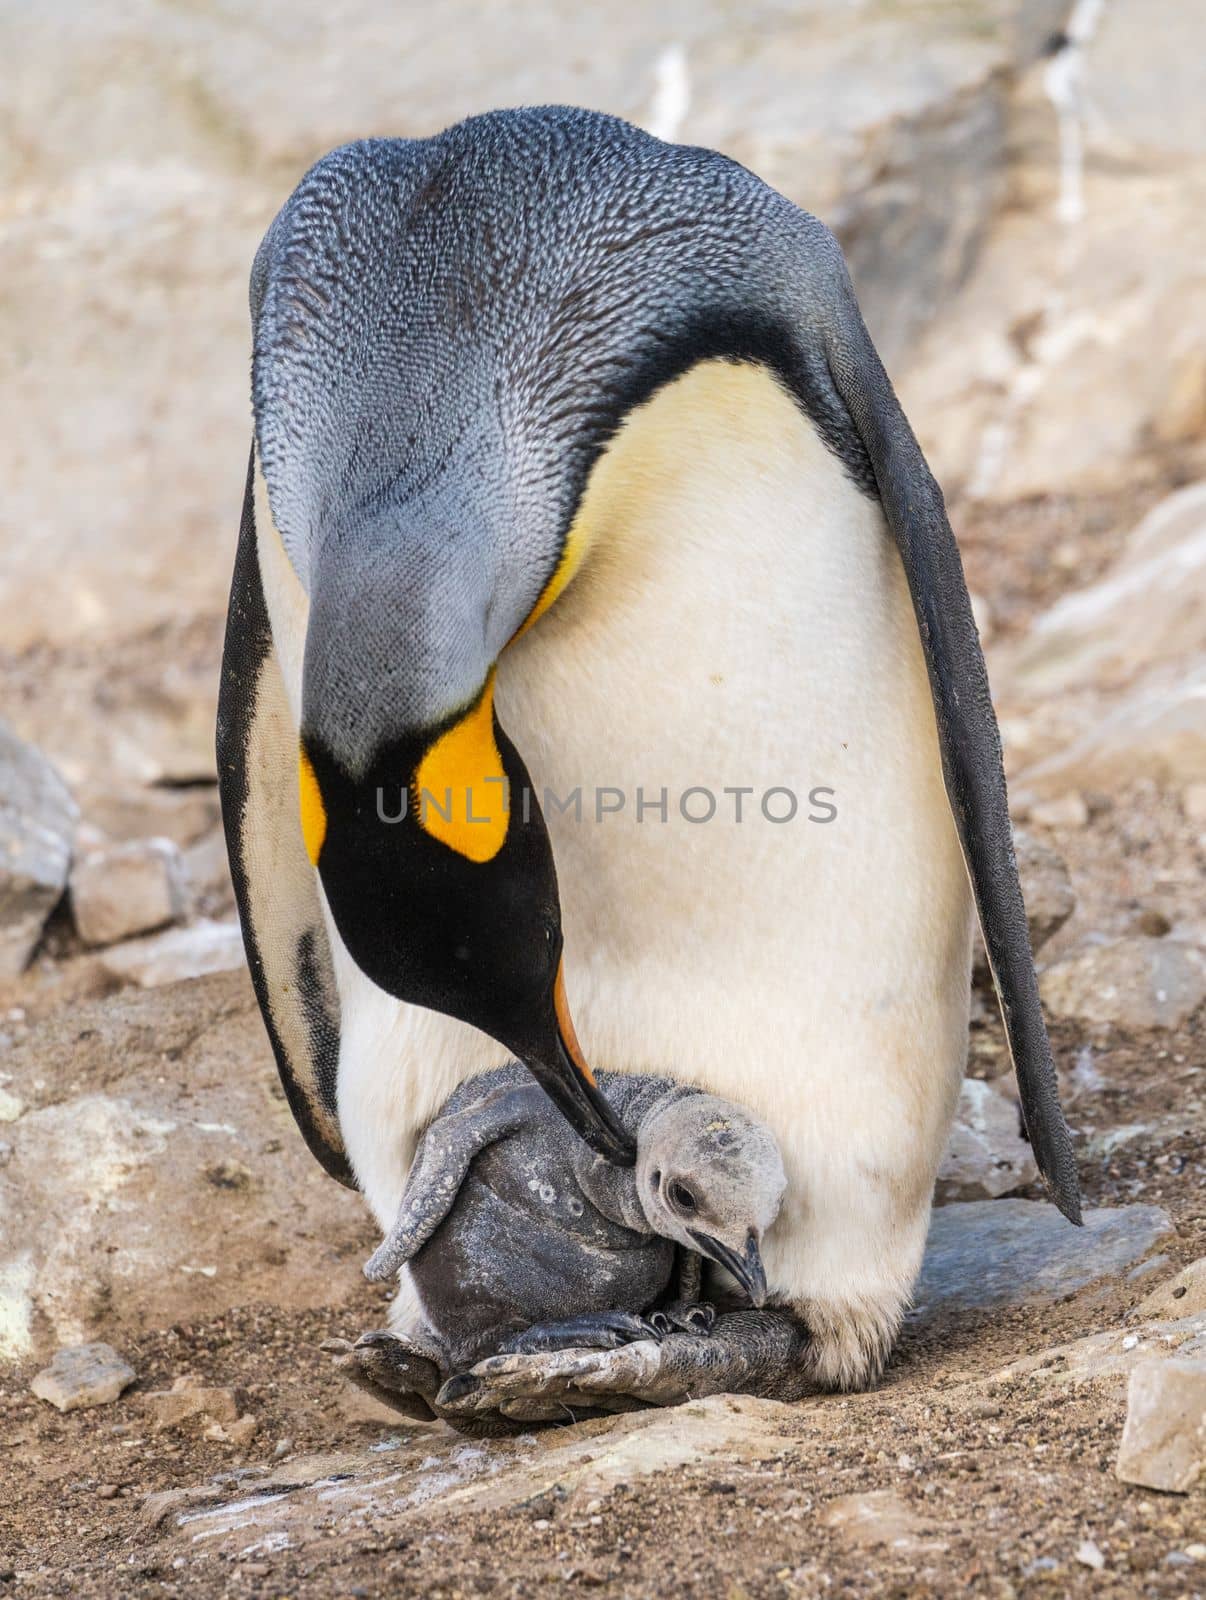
column 1003, row 1481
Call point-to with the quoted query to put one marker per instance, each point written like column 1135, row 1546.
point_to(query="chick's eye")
column 681, row 1197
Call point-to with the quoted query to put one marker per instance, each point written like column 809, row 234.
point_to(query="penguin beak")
column 563, row 1074
column 746, row 1266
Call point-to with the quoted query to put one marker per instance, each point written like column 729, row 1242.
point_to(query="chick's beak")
column 745, row 1265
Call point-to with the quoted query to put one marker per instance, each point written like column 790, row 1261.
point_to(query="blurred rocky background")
column 1020, row 186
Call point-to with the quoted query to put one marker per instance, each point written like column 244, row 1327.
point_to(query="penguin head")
column 709, row 1175
column 421, row 818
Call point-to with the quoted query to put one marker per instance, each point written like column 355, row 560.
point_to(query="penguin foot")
column 389, row 1369
column 407, row 1380
column 683, row 1316
column 748, row 1352
column 601, row 1330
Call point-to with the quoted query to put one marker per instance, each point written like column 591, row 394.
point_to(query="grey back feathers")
column 448, row 331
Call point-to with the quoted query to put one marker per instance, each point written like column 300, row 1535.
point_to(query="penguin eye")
column 681, row 1197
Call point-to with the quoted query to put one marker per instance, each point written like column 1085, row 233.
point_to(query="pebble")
column 83, row 1375
column 1089, row 1555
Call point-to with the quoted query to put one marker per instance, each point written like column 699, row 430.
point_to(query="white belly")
column 742, row 621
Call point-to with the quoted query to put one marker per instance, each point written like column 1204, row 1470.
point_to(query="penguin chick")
column 513, row 1236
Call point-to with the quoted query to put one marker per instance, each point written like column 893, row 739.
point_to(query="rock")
column 131, row 1206
column 128, row 812
column 11, row 1106
column 1181, row 1296
column 83, row 1375
column 877, row 1518
column 1063, row 355
column 240, row 1432
column 1134, row 982
column 1064, row 811
column 178, row 955
column 190, row 1400
column 37, row 823
column 127, row 889
column 987, row 1155
column 1158, row 729
column 986, row 1253
column 1115, row 1352
column 1146, row 610
column 402, row 1477
column 1164, row 1439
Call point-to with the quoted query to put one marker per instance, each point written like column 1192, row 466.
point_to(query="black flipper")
column 967, row 729
column 274, row 883
column 441, row 1162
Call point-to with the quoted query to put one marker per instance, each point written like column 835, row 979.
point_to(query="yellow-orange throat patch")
column 460, row 789
column 313, row 812
column 577, row 542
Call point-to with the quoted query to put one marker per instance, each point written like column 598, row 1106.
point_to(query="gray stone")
column 83, row 1375
column 1136, row 982
column 1164, row 1440
column 127, row 889
column 177, row 955
column 987, row 1155
column 986, row 1253
column 37, row 822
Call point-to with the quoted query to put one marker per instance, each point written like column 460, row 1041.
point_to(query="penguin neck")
column 611, row 1190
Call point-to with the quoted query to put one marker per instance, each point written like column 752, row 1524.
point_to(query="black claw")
column 459, row 1388
column 375, row 1336
column 696, row 1319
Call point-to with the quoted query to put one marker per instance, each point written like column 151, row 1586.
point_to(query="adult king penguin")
column 575, row 469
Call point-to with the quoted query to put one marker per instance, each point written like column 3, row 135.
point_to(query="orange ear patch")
column 460, row 789
column 313, row 812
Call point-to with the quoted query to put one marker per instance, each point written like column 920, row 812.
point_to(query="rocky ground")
column 1019, row 185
